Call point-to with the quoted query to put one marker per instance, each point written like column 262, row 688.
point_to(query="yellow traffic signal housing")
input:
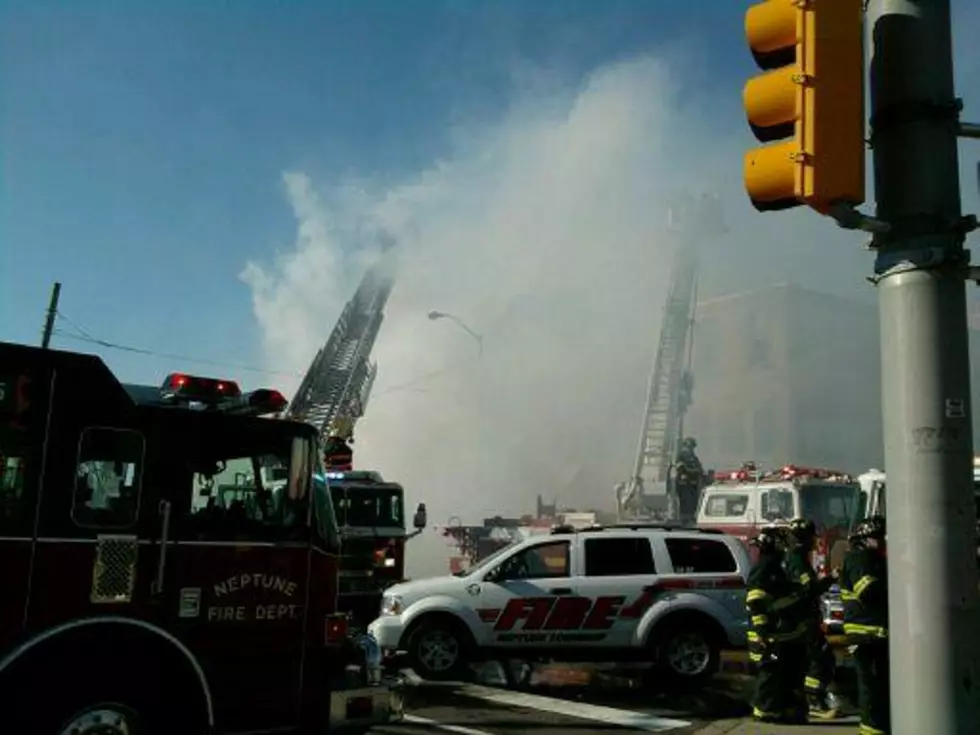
column 811, row 95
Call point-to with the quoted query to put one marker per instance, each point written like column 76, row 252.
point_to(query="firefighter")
column 820, row 658
column 688, row 476
column 777, row 643
column 864, row 590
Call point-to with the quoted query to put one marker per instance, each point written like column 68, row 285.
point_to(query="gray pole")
column 49, row 318
column 934, row 616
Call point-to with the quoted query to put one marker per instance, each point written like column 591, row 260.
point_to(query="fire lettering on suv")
column 560, row 613
column 569, row 613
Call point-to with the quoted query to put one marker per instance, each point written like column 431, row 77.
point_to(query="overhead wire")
column 83, row 335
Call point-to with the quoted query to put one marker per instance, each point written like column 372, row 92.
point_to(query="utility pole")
column 920, row 270
column 52, row 313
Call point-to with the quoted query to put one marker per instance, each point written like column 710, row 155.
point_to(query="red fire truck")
column 150, row 582
column 741, row 501
column 371, row 516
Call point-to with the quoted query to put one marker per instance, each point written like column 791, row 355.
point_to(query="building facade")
column 785, row 375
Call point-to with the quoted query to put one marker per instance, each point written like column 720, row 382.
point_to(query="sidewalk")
column 747, row 727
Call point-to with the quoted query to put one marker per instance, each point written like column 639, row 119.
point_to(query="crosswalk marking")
column 578, row 710
column 459, row 729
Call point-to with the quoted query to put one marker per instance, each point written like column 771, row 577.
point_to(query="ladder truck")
column 650, row 493
column 332, row 397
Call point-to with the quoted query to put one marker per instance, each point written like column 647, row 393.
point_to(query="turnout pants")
column 871, row 664
column 779, row 682
column 821, row 664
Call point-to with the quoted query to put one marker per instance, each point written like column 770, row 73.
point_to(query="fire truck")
column 151, row 581
column 741, row 501
column 371, row 516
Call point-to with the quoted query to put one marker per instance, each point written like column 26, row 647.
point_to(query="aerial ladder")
column 335, row 390
column 649, row 493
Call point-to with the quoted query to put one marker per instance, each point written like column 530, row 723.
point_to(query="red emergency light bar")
column 198, row 389
column 749, row 473
column 223, row 395
column 259, row 402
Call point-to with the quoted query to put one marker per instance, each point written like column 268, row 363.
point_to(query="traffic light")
column 811, row 95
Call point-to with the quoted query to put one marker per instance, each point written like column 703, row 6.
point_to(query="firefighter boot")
column 823, row 705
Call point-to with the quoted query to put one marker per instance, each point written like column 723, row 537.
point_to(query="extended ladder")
column 335, row 390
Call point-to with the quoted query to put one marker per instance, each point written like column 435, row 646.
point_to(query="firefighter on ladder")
column 820, row 658
column 777, row 633
column 864, row 590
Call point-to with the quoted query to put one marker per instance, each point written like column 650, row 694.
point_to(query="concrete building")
column 788, row 375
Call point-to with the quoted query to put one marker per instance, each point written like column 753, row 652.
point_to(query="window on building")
column 538, row 562
column 700, row 556
column 614, row 557
column 728, row 505
column 108, row 478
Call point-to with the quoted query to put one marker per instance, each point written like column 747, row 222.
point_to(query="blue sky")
column 143, row 143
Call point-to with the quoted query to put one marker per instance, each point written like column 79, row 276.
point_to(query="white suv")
column 669, row 596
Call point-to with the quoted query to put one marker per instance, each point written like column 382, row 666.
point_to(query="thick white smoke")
column 545, row 232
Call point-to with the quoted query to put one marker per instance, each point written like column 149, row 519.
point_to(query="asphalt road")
column 566, row 699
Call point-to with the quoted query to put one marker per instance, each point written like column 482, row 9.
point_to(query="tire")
column 688, row 653
column 100, row 708
column 438, row 649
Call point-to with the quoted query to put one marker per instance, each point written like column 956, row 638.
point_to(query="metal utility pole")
column 52, row 313
column 934, row 617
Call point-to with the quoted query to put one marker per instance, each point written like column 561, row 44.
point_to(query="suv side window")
column 700, row 556
column 108, row 478
column 614, row 557
column 543, row 561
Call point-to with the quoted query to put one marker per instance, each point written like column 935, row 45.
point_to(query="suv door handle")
column 560, row 590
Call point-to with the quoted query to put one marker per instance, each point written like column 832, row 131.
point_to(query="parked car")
column 673, row 597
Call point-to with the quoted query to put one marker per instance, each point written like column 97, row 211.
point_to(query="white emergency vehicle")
column 667, row 596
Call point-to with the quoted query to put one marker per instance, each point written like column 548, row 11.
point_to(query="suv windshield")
column 829, row 506
column 367, row 505
column 486, row 561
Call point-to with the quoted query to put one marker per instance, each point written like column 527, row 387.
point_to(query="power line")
column 83, row 335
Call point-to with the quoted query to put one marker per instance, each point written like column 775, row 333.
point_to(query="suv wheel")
column 688, row 654
column 437, row 650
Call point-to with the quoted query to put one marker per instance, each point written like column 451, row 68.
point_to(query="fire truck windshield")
column 829, row 506
column 253, row 483
column 375, row 505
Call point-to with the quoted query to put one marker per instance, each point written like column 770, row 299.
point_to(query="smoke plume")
column 545, row 232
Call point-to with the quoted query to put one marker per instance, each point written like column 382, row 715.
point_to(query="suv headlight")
column 391, row 605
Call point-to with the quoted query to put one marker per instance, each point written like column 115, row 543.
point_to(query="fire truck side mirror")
column 421, row 519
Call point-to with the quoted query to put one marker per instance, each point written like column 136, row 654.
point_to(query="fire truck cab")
column 371, row 516
column 153, row 579
column 740, row 502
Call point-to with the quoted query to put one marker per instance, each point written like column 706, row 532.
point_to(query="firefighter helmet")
column 689, row 442
column 769, row 538
column 802, row 529
column 869, row 528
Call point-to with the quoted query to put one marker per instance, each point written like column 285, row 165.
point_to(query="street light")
column 436, row 315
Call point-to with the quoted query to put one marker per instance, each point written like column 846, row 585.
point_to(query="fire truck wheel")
column 438, row 648
column 101, row 709
column 688, row 652
column 107, row 718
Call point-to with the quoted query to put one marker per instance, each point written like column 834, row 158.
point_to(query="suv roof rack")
column 560, row 529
